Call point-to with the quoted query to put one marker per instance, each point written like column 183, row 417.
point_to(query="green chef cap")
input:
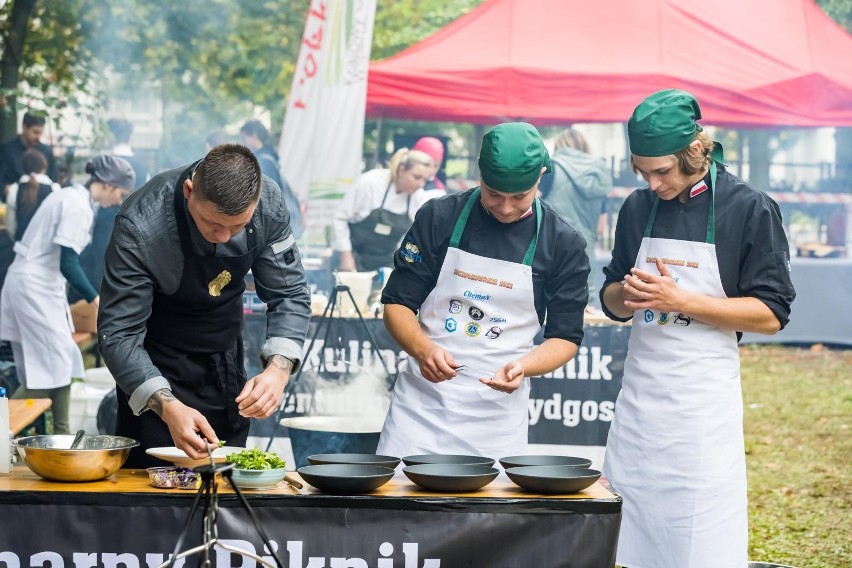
column 512, row 156
column 663, row 124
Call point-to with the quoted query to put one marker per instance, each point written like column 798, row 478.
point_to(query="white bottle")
column 5, row 447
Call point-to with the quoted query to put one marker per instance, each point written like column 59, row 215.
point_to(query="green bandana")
column 512, row 156
column 663, row 124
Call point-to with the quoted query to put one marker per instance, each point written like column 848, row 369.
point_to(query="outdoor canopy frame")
column 750, row 64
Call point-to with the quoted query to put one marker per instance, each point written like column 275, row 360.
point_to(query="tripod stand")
column 326, row 319
column 210, row 536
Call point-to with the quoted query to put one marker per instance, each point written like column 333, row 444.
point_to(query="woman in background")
column 34, row 314
column 25, row 196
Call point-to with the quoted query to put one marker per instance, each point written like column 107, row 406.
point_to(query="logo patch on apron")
column 216, row 285
column 472, row 329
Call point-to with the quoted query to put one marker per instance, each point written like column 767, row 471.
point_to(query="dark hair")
column 256, row 128
column 228, row 177
column 33, row 119
column 33, row 162
column 121, row 128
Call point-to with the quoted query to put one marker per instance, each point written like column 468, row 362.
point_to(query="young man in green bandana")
column 700, row 256
column 473, row 281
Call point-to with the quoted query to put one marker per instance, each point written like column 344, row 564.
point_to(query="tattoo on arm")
column 159, row 399
column 281, row 363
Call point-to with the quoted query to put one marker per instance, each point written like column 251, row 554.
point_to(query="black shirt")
column 11, row 154
column 560, row 265
column 751, row 246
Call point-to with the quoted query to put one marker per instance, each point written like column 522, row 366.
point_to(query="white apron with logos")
column 482, row 311
column 33, row 306
column 675, row 450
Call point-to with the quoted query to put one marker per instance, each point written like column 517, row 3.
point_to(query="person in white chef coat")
column 34, row 313
column 700, row 256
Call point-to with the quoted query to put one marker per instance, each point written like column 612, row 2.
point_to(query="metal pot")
column 311, row 435
column 96, row 457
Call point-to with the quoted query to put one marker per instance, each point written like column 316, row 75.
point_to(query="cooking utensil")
column 77, row 438
column 553, row 478
column 96, row 457
column 345, row 479
column 292, row 481
column 366, row 459
column 311, row 435
column 451, row 478
column 447, row 459
column 521, row 461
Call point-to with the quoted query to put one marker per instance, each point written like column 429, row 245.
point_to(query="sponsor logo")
column 497, row 317
column 451, row 325
column 682, row 319
column 649, row 316
column 475, row 313
column 494, row 332
column 664, row 318
column 410, row 251
column 476, row 295
column 455, row 306
column 698, row 188
column 472, row 329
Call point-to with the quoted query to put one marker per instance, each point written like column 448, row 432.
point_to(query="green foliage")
column 839, row 10
column 401, row 23
column 255, row 458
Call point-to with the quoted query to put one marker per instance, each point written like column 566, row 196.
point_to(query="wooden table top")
column 136, row 481
column 23, row 411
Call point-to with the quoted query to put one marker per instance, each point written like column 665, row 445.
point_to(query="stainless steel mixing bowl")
column 97, row 457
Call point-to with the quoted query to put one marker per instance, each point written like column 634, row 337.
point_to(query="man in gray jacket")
column 171, row 304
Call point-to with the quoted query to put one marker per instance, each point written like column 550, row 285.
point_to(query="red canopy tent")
column 754, row 63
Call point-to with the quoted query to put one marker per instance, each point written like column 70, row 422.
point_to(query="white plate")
column 180, row 459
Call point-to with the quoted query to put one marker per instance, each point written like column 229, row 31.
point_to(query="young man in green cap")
column 482, row 269
column 700, row 256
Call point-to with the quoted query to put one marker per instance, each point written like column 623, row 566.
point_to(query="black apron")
column 194, row 339
column 375, row 238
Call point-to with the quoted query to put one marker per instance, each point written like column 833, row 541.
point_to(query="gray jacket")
column 144, row 256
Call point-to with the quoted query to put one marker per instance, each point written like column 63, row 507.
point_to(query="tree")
column 43, row 58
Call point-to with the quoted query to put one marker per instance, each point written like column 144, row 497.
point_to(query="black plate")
column 364, row 459
column 345, row 479
column 450, row 478
column 448, row 459
column 522, row 461
column 553, row 478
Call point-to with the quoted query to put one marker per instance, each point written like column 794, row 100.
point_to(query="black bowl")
column 522, row 461
column 450, row 478
column 553, row 478
column 447, row 459
column 363, row 459
column 345, row 479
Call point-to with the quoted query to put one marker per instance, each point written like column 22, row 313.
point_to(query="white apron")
column 675, row 450
column 482, row 311
column 33, row 306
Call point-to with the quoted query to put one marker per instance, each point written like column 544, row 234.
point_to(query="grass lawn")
column 798, row 427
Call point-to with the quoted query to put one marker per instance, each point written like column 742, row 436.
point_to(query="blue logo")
column 472, row 329
column 497, row 317
column 476, row 295
column 664, row 318
column 649, row 316
column 451, row 325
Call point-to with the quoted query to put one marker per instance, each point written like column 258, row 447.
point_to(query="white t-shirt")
column 364, row 196
column 65, row 218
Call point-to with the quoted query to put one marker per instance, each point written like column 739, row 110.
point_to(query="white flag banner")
column 322, row 139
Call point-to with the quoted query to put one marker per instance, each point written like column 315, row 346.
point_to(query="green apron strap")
column 461, row 222
column 711, row 214
column 528, row 258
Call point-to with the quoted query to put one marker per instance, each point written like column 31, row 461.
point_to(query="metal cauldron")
column 96, row 457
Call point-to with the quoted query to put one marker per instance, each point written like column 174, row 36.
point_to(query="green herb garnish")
column 221, row 444
column 255, row 458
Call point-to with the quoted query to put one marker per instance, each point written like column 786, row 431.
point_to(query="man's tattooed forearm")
column 281, row 363
column 159, row 399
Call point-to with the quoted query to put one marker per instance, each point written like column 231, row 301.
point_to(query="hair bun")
column 90, row 168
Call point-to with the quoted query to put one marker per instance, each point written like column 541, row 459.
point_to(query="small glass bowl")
column 173, row 477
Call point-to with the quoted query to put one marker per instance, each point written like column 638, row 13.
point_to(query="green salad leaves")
column 255, row 458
